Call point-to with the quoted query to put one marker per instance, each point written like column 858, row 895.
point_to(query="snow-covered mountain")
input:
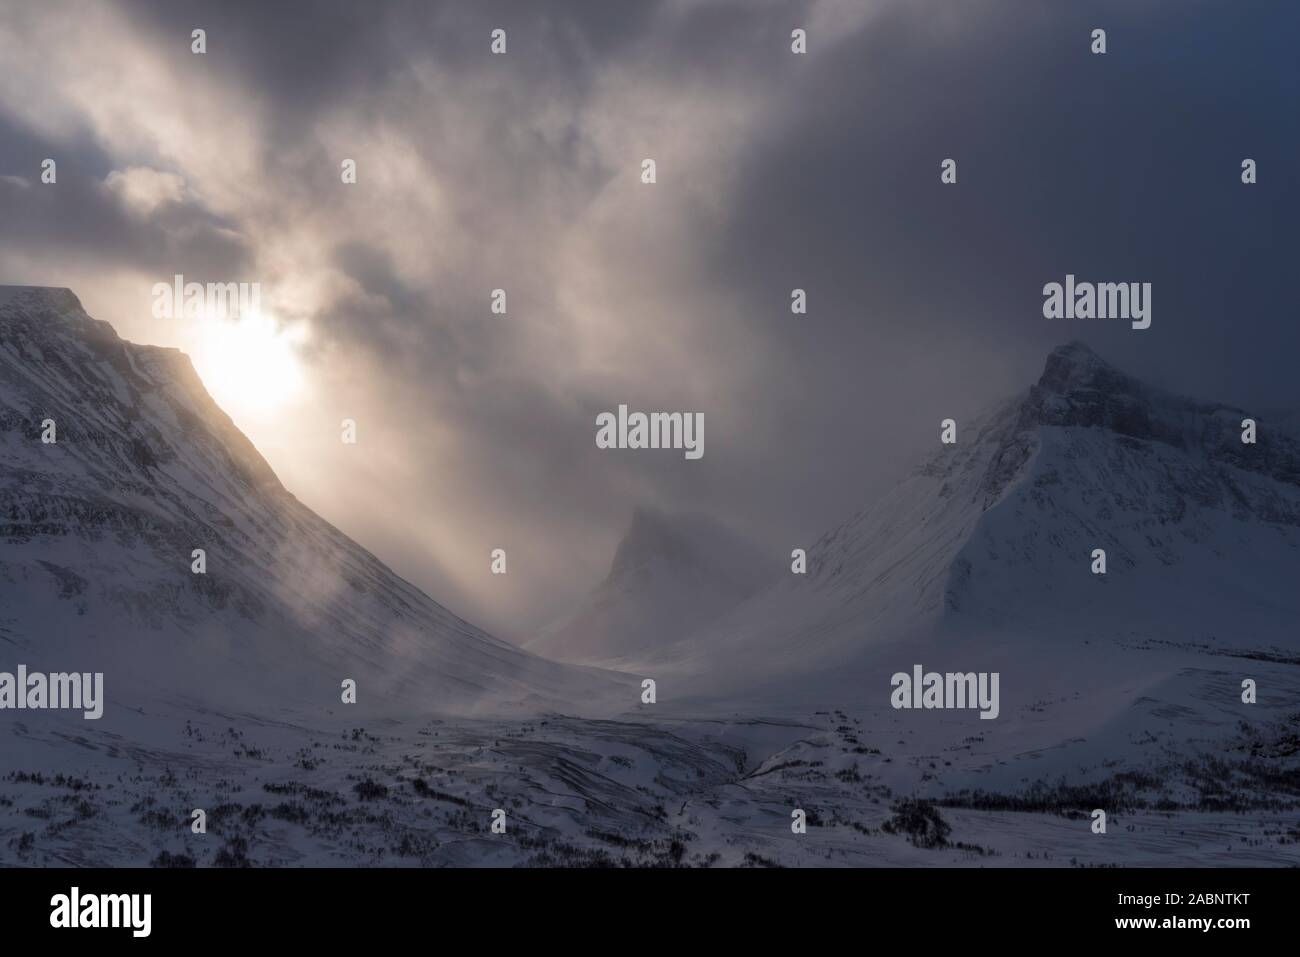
column 671, row 574
column 994, row 536
column 98, row 529
column 1201, row 529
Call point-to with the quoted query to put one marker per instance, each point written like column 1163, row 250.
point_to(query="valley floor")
column 630, row 792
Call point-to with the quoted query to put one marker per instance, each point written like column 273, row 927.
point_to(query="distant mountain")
column 671, row 574
column 97, row 532
column 995, row 535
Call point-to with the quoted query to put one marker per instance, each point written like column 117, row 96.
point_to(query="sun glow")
column 250, row 365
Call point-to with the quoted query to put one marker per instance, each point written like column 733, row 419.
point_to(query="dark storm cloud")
column 1122, row 166
column 306, row 57
column 22, row 150
column 386, row 307
column 80, row 215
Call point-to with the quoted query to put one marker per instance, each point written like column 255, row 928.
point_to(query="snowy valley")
column 1121, row 692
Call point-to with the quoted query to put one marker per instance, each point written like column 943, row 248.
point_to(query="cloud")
column 776, row 171
column 141, row 190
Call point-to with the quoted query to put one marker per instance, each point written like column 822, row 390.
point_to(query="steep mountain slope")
column 97, row 531
column 670, row 575
column 1201, row 530
column 994, row 537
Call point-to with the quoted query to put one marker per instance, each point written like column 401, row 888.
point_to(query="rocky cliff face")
column 1079, row 390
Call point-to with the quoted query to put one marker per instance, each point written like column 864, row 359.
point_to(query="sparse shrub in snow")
column 369, row 790
column 920, row 822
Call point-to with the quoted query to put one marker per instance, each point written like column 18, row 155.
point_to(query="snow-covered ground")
column 638, row 791
column 1120, row 692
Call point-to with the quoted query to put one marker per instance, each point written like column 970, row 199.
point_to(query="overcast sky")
column 775, row 171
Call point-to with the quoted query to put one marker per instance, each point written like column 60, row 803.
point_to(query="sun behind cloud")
column 250, row 364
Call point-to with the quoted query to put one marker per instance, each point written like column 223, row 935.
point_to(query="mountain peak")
column 651, row 532
column 1073, row 347
column 98, row 530
column 38, row 312
column 687, row 543
column 1074, row 352
column 59, row 298
column 1079, row 389
column 646, row 517
column 672, row 572
column 1074, row 367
